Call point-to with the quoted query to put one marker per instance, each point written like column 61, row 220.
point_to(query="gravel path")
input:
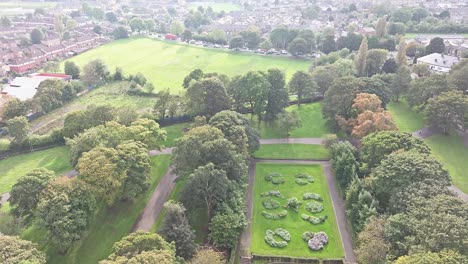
column 337, row 202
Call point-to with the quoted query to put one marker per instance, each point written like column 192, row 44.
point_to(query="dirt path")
column 155, row 204
column 337, row 202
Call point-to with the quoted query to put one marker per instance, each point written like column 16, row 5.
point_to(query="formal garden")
column 293, row 214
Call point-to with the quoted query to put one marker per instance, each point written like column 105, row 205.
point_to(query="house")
column 25, row 88
column 366, row 31
column 439, row 63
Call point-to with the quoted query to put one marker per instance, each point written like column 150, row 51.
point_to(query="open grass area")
column 108, row 227
column 293, row 222
column 217, row 7
column 406, row 119
column 441, row 35
column 55, row 159
column 292, row 151
column 451, row 151
column 166, row 64
column 11, row 8
column 174, row 132
column 313, row 124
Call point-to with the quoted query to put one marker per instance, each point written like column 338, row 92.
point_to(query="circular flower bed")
column 270, row 204
column 275, row 216
column 282, row 233
column 301, row 181
column 314, row 220
column 305, row 176
column 318, row 240
column 314, row 207
column 272, row 175
column 312, row 196
column 272, row 193
column 293, row 203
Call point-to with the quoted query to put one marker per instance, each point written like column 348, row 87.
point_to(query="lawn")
column 55, row 159
column 292, row 151
column 406, row 119
column 313, row 124
column 217, row 7
column 109, row 225
column 166, row 64
column 452, row 152
column 11, row 8
column 293, row 222
column 174, row 132
column 414, row 35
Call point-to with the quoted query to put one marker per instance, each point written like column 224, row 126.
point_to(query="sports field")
column 293, row 221
column 166, row 64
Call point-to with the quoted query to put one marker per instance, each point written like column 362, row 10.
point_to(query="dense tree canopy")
column 302, row 85
column 447, row 111
column 14, row 250
column 207, row 97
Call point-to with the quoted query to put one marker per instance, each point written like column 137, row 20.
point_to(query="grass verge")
column 292, row 151
column 406, row 119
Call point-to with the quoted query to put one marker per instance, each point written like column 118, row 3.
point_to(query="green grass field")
column 297, row 247
column 451, row 151
column 108, row 227
column 313, row 124
column 166, row 64
column 292, row 151
column 217, row 7
column 174, row 132
column 405, row 118
column 55, row 159
column 414, row 35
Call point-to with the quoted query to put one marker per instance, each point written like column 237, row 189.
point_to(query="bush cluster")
column 318, row 241
column 283, row 233
column 314, row 220
column 307, row 235
column 314, row 207
column 293, row 203
column 305, row 176
column 301, row 181
column 275, row 216
column 312, row 196
column 270, row 204
column 272, row 175
column 272, row 193
column 278, row 180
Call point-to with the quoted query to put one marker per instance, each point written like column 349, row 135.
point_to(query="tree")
column 136, row 24
column 375, row 60
column 187, row 35
column 436, row 45
column 205, row 144
column 298, row 47
column 422, row 70
column 344, row 162
column 36, row 36
column 381, row 27
column 18, row 127
column 377, row 146
column 177, row 28
column 207, row 97
column 252, row 88
column 204, row 256
column 372, row 247
column 5, row 21
column 328, row 43
column 95, row 73
column 15, row 250
column 338, row 100
column 14, row 108
column 443, row 257
column 279, row 37
column 120, row 32
column 24, row 195
column 390, row 66
column 251, row 37
column 361, row 58
column 458, row 77
column 396, row 28
column 226, row 227
column 97, row 29
column 236, row 43
column 302, row 85
column 100, row 169
column 266, row 45
column 150, row 25
column 142, row 247
column 423, row 89
column 277, row 94
column 65, row 209
column 401, row 54
column 401, row 82
column 447, row 111
column 111, row 17
column 72, row 69
column 289, row 121
column 363, row 209
column 402, row 168
column 176, row 228
column 196, row 75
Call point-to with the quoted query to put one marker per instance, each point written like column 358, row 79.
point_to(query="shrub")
column 301, row 181
column 272, row 193
column 307, row 235
column 275, row 216
column 318, row 241
column 277, row 180
column 312, row 196
column 272, row 175
column 293, row 203
column 283, row 233
column 329, row 140
column 306, row 176
column 270, row 204
column 314, row 207
column 314, row 220
column 4, row 144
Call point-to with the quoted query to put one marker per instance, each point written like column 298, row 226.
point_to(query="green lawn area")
column 174, row 132
column 166, row 64
column 451, row 151
column 217, row 7
column 108, row 227
column 413, row 35
column 313, row 124
column 407, row 119
column 292, row 151
column 55, row 159
column 293, row 222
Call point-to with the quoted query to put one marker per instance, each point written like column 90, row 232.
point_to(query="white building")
column 439, row 63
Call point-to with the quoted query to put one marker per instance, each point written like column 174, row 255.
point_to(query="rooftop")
column 25, row 88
